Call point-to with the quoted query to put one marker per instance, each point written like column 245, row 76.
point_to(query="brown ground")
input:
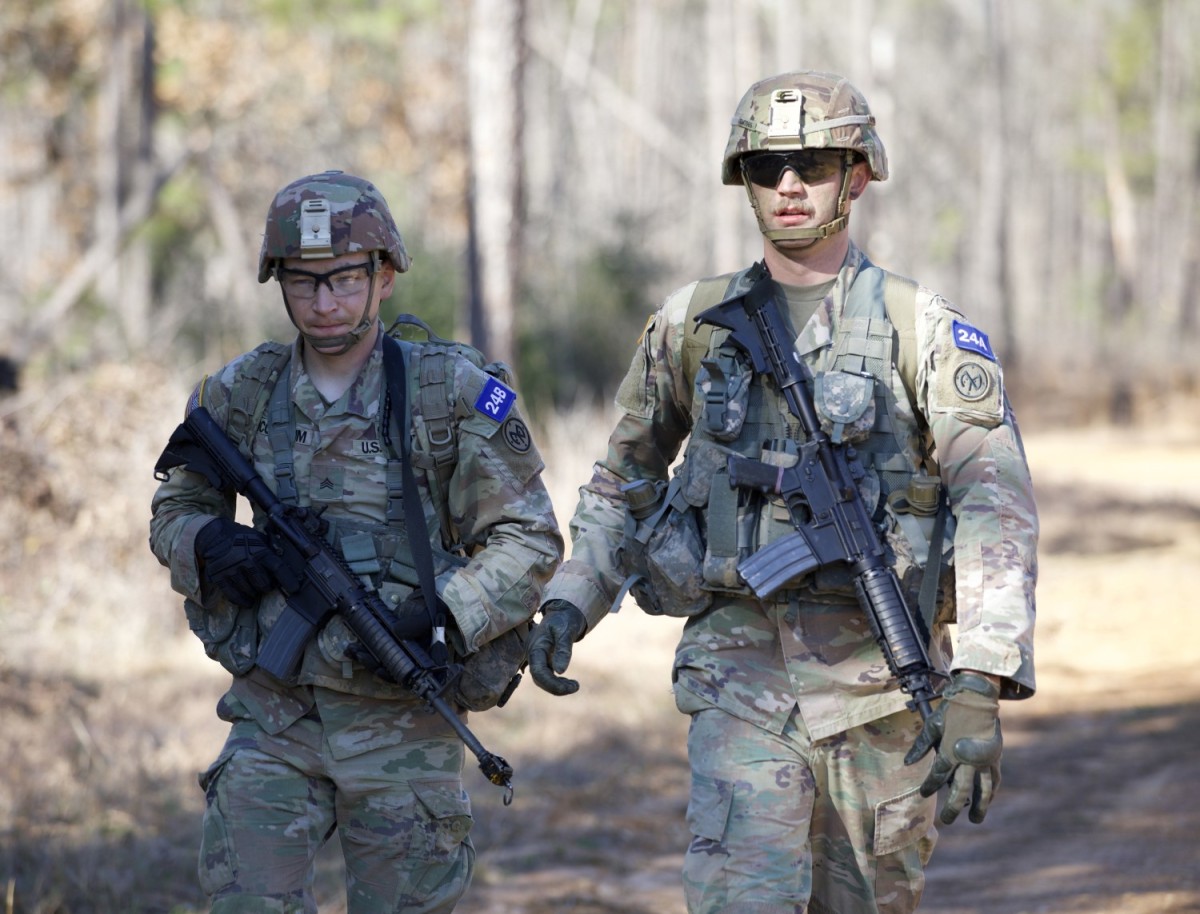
column 106, row 703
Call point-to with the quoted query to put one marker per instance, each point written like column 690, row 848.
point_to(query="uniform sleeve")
column 185, row 502
column 655, row 403
column 503, row 513
column 982, row 462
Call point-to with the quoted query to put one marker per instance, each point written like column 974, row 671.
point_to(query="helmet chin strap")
column 813, row 233
column 343, row 343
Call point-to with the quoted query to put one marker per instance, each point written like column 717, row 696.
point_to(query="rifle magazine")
column 782, row 561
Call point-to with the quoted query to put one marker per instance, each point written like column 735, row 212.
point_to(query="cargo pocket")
column 903, row 843
column 708, row 809
column 903, row 821
column 441, row 848
column 215, row 868
column 705, row 878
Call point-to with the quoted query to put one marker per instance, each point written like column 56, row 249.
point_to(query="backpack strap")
column 696, row 337
column 254, row 379
column 900, row 302
column 281, row 433
column 433, row 356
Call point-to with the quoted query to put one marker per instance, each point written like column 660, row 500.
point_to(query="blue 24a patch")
column 495, row 400
column 973, row 340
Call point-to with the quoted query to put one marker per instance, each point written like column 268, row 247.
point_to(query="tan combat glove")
column 965, row 731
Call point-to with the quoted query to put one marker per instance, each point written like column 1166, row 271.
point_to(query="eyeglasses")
column 811, row 165
column 344, row 282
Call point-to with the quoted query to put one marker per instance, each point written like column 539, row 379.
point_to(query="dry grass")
column 106, row 701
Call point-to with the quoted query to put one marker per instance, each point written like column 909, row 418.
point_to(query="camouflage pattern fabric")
column 804, row 110
column 392, row 792
column 358, row 220
column 494, row 496
column 753, row 792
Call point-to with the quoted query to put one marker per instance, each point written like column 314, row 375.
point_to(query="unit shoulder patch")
column 496, row 400
column 972, row 340
column 966, row 376
column 517, row 436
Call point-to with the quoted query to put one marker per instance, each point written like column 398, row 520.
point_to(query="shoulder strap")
column 696, row 337
column 396, row 378
column 253, row 382
column 900, row 300
column 432, row 366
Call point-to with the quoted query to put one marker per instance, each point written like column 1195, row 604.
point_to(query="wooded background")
column 554, row 166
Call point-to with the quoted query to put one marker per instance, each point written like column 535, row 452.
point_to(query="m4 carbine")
column 831, row 520
column 318, row 583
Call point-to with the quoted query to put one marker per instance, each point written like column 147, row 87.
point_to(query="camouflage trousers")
column 785, row 825
column 399, row 810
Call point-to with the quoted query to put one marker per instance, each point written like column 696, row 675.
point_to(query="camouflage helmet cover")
column 327, row 215
column 803, row 110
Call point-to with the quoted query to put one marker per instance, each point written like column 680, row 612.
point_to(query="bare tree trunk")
column 125, row 118
column 495, row 59
column 994, row 288
column 1174, row 215
column 719, row 24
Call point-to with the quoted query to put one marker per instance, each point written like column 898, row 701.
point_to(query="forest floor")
column 106, row 704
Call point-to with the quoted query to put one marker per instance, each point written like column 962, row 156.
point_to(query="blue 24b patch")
column 968, row 338
column 495, row 400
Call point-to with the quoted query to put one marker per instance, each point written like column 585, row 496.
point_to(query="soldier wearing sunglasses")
column 814, row 782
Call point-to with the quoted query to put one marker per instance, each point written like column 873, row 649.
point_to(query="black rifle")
column 317, row 583
column 832, row 523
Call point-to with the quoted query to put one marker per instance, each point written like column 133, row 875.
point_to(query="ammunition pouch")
column 663, row 550
column 845, row 405
column 229, row 633
column 491, row 674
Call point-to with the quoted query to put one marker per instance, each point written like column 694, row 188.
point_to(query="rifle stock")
column 831, row 520
column 317, row 584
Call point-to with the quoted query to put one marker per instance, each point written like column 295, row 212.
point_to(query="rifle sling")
column 396, row 377
column 927, row 597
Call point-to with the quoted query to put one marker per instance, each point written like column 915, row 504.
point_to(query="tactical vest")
column 864, row 392
column 260, row 400
column 257, row 397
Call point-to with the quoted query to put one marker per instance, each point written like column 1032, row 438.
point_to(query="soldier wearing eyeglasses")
column 814, row 785
column 340, row 746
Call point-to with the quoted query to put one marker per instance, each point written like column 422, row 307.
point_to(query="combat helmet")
column 327, row 215
column 807, row 109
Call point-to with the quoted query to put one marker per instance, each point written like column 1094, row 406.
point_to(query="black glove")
column 410, row 621
column 550, row 646
column 965, row 731
column 413, row 621
column 237, row 560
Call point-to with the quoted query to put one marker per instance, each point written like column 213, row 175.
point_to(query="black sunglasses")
column 810, row 165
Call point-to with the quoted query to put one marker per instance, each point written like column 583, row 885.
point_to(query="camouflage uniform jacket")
column 814, row 650
column 495, row 496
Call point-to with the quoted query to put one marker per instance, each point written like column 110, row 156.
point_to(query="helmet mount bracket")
column 316, row 233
